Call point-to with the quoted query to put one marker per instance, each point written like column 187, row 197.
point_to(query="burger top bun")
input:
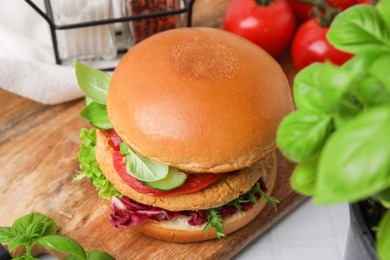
column 199, row 99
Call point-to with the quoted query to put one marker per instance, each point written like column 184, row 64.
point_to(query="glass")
column 139, row 30
column 86, row 43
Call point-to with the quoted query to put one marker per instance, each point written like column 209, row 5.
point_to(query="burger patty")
column 227, row 188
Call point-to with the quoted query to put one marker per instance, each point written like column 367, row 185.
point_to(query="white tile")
column 317, row 252
column 263, row 253
column 306, row 223
column 309, row 232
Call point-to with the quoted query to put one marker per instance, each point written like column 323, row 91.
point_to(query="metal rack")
column 48, row 16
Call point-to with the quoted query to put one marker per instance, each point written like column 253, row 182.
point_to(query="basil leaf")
column 141, row 167
column 359, row 64
column 301, row 134
column 354, row 163
column 25, row 258
column 87, row 100
column 7, row 234
column 72, row 257
column 383, row 8
column 94, row 83
column 380, row 71
column 383, row 238
column 97, row 115
column 22, row 223
column 349, row 107
column 372, row 92
column 93, row 255
column 18, row 241
column 303, row 179
column 335, row 86
column 99, row 255
column 359, row 29
column 307, row 88
column 384, row 197
column 36, row 229
column 63, row 244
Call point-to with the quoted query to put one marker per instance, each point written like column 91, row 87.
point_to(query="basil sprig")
column 340, row 133
column 36, row 228
column 141, row 167
column 94, row 83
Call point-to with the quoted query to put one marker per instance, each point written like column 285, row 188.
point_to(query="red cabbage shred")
column 129, row 213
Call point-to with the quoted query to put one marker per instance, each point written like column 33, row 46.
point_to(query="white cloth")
column 27, row 64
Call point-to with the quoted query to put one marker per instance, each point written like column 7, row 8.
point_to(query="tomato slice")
column 114, row 140
column 194, row 182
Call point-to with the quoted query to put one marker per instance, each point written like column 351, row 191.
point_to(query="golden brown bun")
column 178, row 230
column 227, row 188
column 200, row 99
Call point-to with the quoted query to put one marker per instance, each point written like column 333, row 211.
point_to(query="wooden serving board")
column 38, row 160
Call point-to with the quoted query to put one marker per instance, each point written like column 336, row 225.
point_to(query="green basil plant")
column 35, row 228
column 339, row 135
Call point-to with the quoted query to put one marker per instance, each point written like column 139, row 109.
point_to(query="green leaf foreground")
column 36, row 228
column 383, row 238
column 97, row 115
column 141, row 167
column 355, row 163
column 360, row 29
column 341, row 122
column 94, row 83
column 345, row 159
column 32, row 222
column 90, row 167
column 63, row 244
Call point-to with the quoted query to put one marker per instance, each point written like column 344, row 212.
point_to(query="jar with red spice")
column 157, row 21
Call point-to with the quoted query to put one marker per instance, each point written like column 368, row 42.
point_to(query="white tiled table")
column 310, row 232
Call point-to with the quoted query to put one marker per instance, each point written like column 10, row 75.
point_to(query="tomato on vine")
column 267, row 23
column 310, row 43
column 303, row 10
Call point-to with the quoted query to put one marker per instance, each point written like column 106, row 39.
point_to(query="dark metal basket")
column 48, row 16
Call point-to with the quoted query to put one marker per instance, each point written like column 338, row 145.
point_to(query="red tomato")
column 113, row 139
column 310, row 45
column 271, row 27
column 366, row 2
column 194, row 182
column 303, row 11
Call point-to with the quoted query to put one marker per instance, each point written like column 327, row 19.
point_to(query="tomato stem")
column 264, row 2
column 319, row 5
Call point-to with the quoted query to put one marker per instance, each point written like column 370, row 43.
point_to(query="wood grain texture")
column 37, row 168
column 38, row 160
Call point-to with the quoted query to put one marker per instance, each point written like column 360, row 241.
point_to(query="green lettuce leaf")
column 89, row 166
column 214, row 218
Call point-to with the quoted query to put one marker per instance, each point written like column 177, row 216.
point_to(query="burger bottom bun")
column 228, row 187
column 178, row 230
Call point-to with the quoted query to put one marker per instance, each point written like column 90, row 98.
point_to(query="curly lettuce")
column 89, row 166
column 215, row 218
